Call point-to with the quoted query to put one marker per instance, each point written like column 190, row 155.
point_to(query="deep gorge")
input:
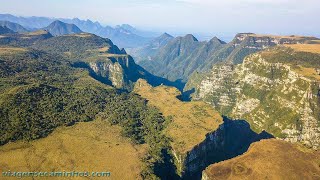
column 231, row 139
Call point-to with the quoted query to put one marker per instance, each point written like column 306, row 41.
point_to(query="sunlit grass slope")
column 269, row 159
column 90, row 146
column 190, row 121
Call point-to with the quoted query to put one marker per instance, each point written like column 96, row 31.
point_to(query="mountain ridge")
column 180, row 57
column 171, row 62
column 119, row 34
column 147, row 51
column 5, row 30
column 13, row 26
column 58, row 28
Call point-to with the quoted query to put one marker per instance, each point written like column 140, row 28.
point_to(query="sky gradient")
column 211, row 17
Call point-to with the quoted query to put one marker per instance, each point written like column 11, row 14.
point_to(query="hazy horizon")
column 177, row 17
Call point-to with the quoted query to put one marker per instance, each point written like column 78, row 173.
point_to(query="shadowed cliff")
column 231, row 139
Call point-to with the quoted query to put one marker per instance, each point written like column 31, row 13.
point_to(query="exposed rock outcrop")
column 120, row 70
column 272, row 95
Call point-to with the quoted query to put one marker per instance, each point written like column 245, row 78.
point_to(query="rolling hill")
column 61, row 150
column 24, row 39
column 268, row 159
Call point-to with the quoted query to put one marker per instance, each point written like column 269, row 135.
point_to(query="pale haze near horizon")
column 207, row 17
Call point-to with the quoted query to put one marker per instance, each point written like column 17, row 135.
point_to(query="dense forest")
column 41, row 92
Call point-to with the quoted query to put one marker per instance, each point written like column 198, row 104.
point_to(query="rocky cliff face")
column 199, row 136
column 105, row 61
column 247, row 43
column 263, row 41
column 279, row 97
column 119, row 70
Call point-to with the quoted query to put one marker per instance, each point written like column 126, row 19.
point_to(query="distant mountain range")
column 149, row 50
column 122, row 35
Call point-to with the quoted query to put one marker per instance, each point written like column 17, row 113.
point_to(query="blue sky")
column 212, row 17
